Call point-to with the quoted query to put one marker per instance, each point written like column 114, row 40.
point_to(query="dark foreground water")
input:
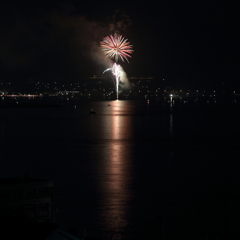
column 134, row 170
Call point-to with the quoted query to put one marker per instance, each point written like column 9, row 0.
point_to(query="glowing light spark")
column 117, row 73
column 107, row 70
column 115, row 47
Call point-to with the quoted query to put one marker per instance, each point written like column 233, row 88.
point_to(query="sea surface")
column 135, row 169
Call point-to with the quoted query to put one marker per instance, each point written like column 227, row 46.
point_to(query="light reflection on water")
column 117, row 170
column 171, row 124
column 130, row 161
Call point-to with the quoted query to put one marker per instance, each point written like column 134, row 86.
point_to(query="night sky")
column 184, row 42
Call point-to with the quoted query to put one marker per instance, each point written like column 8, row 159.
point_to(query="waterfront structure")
column 26, row 199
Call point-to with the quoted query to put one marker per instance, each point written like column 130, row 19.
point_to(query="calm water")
column 134, row 170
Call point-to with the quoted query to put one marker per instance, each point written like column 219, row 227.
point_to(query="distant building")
column 26, row 199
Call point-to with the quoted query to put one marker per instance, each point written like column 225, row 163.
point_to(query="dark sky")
column 187, row 42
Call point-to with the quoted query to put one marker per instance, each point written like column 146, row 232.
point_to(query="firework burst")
column 115, row 47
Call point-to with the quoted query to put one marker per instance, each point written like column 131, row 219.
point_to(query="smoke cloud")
column 57, row 40
column 124, row 82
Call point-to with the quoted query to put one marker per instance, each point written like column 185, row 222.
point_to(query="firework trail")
column 115, row 47
column 117, row 73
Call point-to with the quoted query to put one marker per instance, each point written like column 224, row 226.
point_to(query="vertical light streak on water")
column 116, row 175
column 171, row 124
column 117, row 172
column 171, row 117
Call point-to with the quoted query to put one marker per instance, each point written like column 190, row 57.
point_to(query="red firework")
column 115, row 46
